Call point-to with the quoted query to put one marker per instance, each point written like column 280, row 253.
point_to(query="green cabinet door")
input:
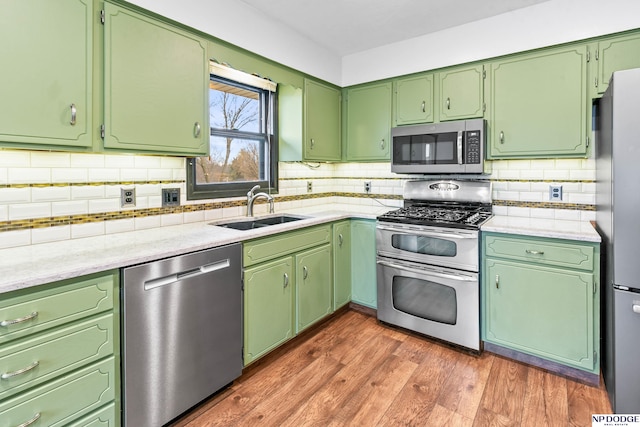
column 363, row 263
column 538, row 105
column 414, row 99
column 314, row 286
column 544, row 311
column 615, row 54
column 46, row 73
column 461, row 93
column 368, row 122
column 268, row 307
column 341, row 264
column 156, row 86
column 322, row 122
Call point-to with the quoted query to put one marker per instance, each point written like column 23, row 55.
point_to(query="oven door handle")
column 459, row 277
column 452, row 235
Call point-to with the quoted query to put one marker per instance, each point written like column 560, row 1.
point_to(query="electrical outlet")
column 555, row 193
column 367, row 187
column 309, row 187
column 170, row 197
column 127, row 197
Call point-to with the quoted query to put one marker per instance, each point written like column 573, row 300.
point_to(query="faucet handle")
column 250, row 193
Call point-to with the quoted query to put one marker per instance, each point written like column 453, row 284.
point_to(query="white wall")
column 237, row 23
column 549, row 23
column 545, row 24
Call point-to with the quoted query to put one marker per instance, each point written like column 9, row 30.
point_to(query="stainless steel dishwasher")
column 182, row 333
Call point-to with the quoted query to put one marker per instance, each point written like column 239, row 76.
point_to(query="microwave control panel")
column 472, row 151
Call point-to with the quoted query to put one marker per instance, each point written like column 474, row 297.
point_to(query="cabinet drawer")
column 104, row 417
column 261, row 250
column 63, row 400
column 54, row 353
column 541, row 251
column 28, row 311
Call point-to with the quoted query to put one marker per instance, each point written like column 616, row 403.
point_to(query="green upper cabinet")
column 368, row 116
column 155, row 86
column 290, row 101
column 321, row 122
column 615, row 54
column 413, row 99
column 538, row 104
column 46, row 73
column 461, row 93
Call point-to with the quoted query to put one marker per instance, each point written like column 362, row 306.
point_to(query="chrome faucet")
column 251, row 198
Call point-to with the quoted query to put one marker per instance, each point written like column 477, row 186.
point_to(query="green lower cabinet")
column 104, row 417
column 313, row 286
column 341, row 264
column 545, row 306
column 268, row 307
column 364, row 289
column 59, row 402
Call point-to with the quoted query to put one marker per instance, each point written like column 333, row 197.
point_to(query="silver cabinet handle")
column 196, row 130
column 501, row 137
column 636, row 308
column 312, row 143
column 340, row 239
column 35, row 418
column 448, row 104
column 24, row 370
column 382, row 144
column 20, row 319
column 424, row 104
column 305, row 272
column 497, row 281
column 532, row 252
column 286, row 280
column 74, row 113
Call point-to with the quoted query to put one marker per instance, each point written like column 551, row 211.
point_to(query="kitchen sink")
column 251, row 224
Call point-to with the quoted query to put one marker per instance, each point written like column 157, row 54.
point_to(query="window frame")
column 218, row 190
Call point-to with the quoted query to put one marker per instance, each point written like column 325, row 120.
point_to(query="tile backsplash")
column 46, row 196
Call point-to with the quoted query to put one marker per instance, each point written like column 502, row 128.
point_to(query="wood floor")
column 354, row 371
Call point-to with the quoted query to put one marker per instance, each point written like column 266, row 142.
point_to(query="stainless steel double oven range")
column 428, row 260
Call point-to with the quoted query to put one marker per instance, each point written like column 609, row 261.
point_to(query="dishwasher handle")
column 187, row 274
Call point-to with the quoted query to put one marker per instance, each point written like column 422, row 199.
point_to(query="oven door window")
column 424, row 245
column 428, row 149
column 425, row 299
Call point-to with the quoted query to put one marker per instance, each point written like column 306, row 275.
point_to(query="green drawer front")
column 261, row 250
column 105, row 417
column 63, row 400
column 56, row 304
column 541, row 251
column 54, row 353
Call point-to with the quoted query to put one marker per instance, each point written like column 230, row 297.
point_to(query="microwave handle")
column 460, row 147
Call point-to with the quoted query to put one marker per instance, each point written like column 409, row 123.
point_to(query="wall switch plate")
column 367, row 187
column 170, row 197
column 127, row 197
column 309, row 187
column 555, row 193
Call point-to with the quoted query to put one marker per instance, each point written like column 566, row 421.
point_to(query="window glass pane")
column 232, row 107
column 232, row 160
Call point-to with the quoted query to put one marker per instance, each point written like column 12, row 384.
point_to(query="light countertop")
column 27, row 266
column 542, row 227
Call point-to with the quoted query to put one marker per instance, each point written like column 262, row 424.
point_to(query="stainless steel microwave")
column 439, row 148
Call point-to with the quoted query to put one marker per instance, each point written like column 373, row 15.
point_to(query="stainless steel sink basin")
column 251, row 224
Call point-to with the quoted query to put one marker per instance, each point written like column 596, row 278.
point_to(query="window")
column 243, row 148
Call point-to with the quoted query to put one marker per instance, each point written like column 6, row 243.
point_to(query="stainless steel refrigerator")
column 618, row 220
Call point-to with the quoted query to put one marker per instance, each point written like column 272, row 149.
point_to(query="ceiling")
column 348, row 26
